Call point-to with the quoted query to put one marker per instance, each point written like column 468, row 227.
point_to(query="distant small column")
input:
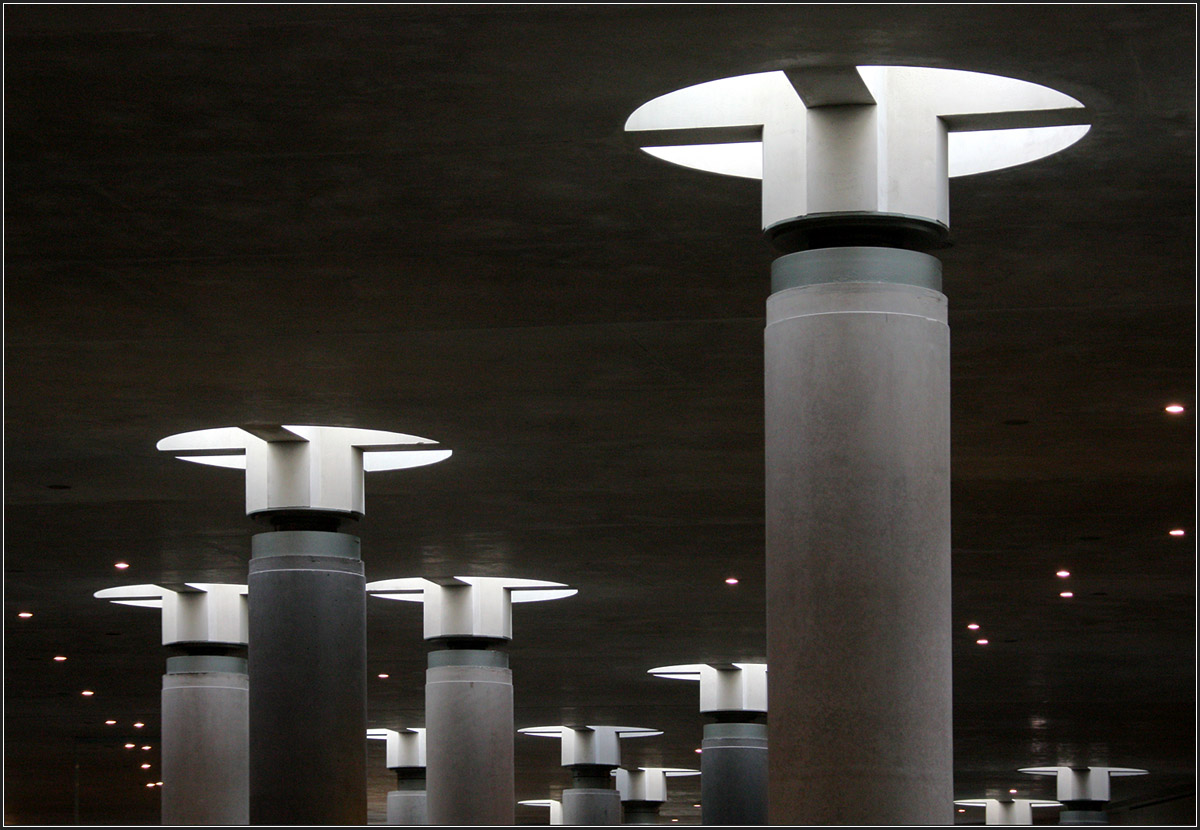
column 591, row 753
column 644, row 791
column 205, row 699
column 733, row 759
column 555, row 807
column 1007, row 810
column 406, row 757
column 307, row 620
column 1083, row 792
column 468, row 690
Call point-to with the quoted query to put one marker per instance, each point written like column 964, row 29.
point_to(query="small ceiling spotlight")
column 1175, row 409
column 973, row 626
column 145, row 766
column 981, row 642
column 110, row 723
column 961, row 810
column 145, row 747
column 59, row 659
column 24, row 615
column 158, row 783
column 1176, row 532
column 1066, row 594
column 698, row 751
column 384, row 676
column 151, row 784
column 138, row 725
column 733, row 580
column 1012, row 792
column 130, row 746
column 1063, row 574
column 120, row 566
column 87, row 693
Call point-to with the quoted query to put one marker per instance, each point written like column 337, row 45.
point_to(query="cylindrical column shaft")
column 205, row 762
column 1082, row 812
column 641, row 812
column 591, row 806
column 308, row 661
column 407, row 803
column 469, row 737
column 733, row 773
column 858, row 539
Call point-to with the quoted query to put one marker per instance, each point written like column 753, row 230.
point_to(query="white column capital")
column 405, row 747
column 192, row 612
column 647, row 783
column 556, row 810
column 597, row 745
column 1084, row 784
column 724, row 687
column 468, row 606
column 1007, row 810
column 316, row 468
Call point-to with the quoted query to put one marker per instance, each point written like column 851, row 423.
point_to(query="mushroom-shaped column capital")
column 405, row 747
column 192, row 612
column 724, row 687
column 647, row 783
column 556, row 808
column 1007, row 810
column 303, row 468
column 477, row 607
column 1084, row 784
column 590, row 745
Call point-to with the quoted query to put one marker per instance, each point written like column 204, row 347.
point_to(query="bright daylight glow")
column 1066, row 594
column 1176, row 532
column 1063, row 574
column 981, row 642
column 973, row 626
column 24, row 615
column 59, row 659
column 87, row 693
column 731, row 581
column 121, row 566
column 1174, row 409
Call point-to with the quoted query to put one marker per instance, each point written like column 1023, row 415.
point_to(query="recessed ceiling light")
column 158, row 783
column 731, row 580
column 121, row 565
column 110, row 723
column 384, row 676
column 24, row 615
column 1066, row 594
column 961, row 810
column 151, row 784
column 145, row 766
column 981, row 642
column 1012, row 792
column 138, row 725
column 145, row 747
column 973, row 626
column 130, row 746
column 1176, row 532
column 1063, row 574
column 59, row 659
column 695, row 805
column 698, row 751
column 1175, row 409
column 87, row 693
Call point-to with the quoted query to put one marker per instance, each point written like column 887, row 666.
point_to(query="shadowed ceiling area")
column 429, row 219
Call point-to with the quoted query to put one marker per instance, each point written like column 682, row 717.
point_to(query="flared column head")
column 405, row 747
column 647, row 783
column 192, row 612
column 590, row 745
column 556, row 811
column 867, row 139
column 472, row 607
column 724, row 687
column 1007, row 810
column 303, row 468
column 1084, row 784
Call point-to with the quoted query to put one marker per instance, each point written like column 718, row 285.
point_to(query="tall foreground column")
column 468, row 690
column 307, row 620
column 855, row 165
column 205, row 699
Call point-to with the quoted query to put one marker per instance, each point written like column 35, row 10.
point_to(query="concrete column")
column 205, row 700
column 591, row 753
column 855, row 165
column 733, row 766
column 407, row 804
column 469, row 723
column 1083, row 791
column 644, row 790
column 468, row 691
column 307, row 621
column 556, row 816
column 858, row 536
column 733, row 759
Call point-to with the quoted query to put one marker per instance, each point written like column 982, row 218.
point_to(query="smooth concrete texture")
column 733, row 773
column 469, row 741
column 591, row 806
column 407, row 807
column 308, row 681
column 858, row 554
column 205, row 747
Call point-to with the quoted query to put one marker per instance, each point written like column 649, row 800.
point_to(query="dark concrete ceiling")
column 429, row 220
